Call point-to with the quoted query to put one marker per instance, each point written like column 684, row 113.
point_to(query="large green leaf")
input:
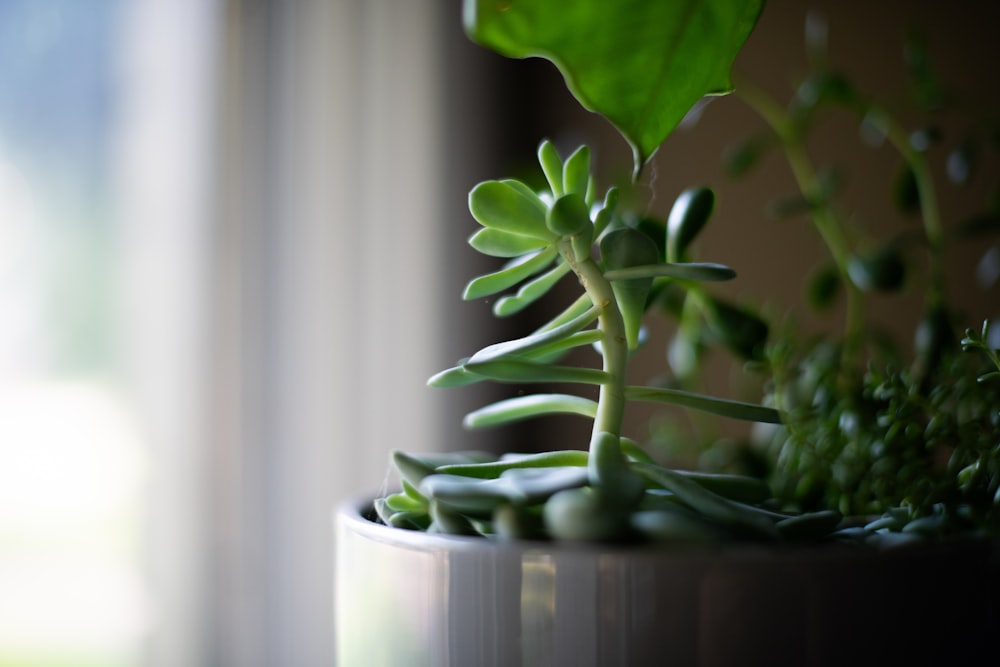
column 641, row 64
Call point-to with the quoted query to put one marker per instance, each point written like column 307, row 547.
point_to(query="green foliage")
column 885, row 442
column 859, row 445
column 866, row 432
column 642, row 65
column 612, row 492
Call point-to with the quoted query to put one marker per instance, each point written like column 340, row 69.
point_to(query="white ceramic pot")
column 409, row 599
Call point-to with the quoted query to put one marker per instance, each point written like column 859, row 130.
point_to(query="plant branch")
column 614, row 346
column 823, row 218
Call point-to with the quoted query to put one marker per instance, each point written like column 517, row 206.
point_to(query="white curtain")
column 326, row 302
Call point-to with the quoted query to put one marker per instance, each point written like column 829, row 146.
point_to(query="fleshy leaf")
column 509, row 206
column 496, row 243
column 536, row 340
column 719, row 406
column 623, row 249
column 510, row 275
column 642, row 65
column 526, row 407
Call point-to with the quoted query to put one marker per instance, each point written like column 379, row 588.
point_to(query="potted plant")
column 594, row 553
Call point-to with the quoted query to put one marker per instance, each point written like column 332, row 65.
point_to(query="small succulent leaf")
column 690, row 212
column 882, row 270
column 709, row 504
column 401, row 502
column 622, row 249
column 569, row 215
column 537, row 484
column 411, row 468
column 576, row 172
column 526, row 407
column 823, row 288
column 656, row 230
column 509, row 206
column 703, row 271
column 581, row 515
column 496, row 243
column 457, row 376
column 552, row 167
column 536, row 340
column 555, row 350
column 719, row 406
column 741, row 331
column 530, row 292
column 517, row 370
column 741, row 488
column 491, row 469
column 652, row 62
column 494, row 283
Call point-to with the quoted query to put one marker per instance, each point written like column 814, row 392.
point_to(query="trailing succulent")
column 613, row 491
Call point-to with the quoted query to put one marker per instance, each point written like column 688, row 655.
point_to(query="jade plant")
column 609, row 488
column 613, row 490
column 642, row 66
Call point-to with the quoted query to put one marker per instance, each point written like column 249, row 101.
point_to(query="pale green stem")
column 929, row 210
column 614, row 346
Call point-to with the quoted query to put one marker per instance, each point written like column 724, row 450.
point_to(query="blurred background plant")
column 869, row 425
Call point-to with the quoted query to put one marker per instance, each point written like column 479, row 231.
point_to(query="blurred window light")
column 83, row 244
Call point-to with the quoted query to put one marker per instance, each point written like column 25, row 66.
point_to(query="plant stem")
column 823, row 218
column 929, row 210
column 614, row 346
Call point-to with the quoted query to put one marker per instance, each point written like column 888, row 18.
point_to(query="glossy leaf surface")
column 509, row 206
column 509, row 276
column 642, row 65
column 525, row 407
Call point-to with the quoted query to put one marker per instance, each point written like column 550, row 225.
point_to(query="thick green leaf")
column 557, row 349
column 456, row 376
column 552, row 166
column 514, row 370
column 569, row 215
column 623, row 249
column 690, row 212
column 640, row 64
column 882, row 269
column 719, row 406
column 509, row 206
column 576, row 172
column 740, row 330
column 491, row 469
column 510, row 275
column 496, row 243
column 526, row 407
column 536, row 340
column 706, row 271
